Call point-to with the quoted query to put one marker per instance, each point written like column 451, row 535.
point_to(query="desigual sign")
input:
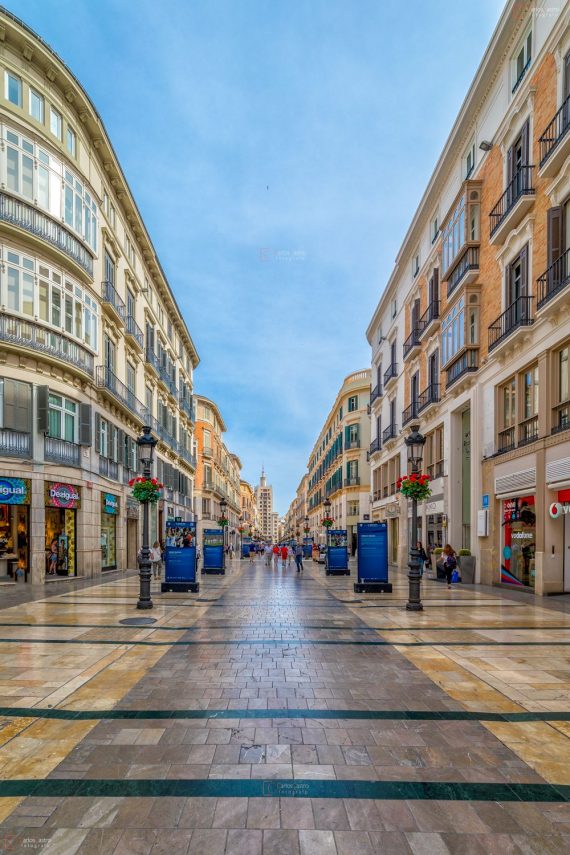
column 15, row 491
column 60, row 495
column 559, row 509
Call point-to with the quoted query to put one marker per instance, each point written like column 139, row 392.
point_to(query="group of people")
column 448, row 560
column 286, row 553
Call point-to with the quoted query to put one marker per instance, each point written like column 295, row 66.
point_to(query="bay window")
column 460, row 327
column 461, row 226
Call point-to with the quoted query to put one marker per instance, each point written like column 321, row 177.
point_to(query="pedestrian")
column 299, row 557
column 284, row 555
column 267, row 551
column 275, row 556
column 251, row 554
column 156, row 559
column 422, row 556
column 290, row 554
column 449, row 562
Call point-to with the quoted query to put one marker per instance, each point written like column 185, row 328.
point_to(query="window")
column 71, row 141
column 394, row 308
column 434, row 229
column 433, row 453
column 469, row 160
column 30, row 287
column 516, row 284
column 148, row 399
column 13, row 88
column 521, row 60
column 36, row 106
column 562, row 397
column 55, row 122
column 131, row 377
column 80, row 210
column 518, row 407
column 453, row 332
column 454, row 233
column 353, row 403
column 62, row 416
column 416, row 265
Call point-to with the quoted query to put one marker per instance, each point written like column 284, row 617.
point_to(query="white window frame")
column 40, row 100
column 469, row 159
column 7, row 76
column 55, row 115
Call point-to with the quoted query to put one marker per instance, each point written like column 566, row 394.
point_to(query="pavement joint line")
column 277, row 642
column 287, row 788
column 284, row 626
column 118, row 714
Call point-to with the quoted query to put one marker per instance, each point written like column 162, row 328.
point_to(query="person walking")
column 422, row 555
column 449, row 562
column 156, row 559
column 284, row 555
column 290, row 554
column 275, row 557
column 267, row 551
column 251, row 554
column 299, row 557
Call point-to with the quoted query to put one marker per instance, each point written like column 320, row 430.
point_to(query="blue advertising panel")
column 307, row 547
column 180, row 556
column 373, row 554
column 246, row 546
column 337, row 552
column 213, row 552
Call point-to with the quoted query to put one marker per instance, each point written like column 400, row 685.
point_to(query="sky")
column 277, row 150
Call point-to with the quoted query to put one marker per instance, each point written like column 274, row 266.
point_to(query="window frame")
column 20, row 87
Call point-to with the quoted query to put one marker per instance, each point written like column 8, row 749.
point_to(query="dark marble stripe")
column 201, row 627
column 287, row 788
column 280, row 642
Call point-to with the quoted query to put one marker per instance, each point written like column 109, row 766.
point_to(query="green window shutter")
column 98, row 433
column 42, row 401
column 85, row 421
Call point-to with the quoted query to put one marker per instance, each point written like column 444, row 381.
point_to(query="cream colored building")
column 249, row 515
column 92, row 343
column 264, row 502
column 338, row 467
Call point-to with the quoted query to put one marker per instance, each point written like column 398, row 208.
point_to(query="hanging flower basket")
column 223, row 522
column 327, row 522
column 415, row 486
column 146, row 489
column 306, row 530
column 241, row 529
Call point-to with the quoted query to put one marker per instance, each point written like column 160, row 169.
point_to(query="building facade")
column 249, row 516
column 217, row 474
column 471, row 337
column 338, row 467
column 92, row 343
column 264, row 503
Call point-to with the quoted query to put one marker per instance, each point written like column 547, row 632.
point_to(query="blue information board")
column 307, row 547
column 180, row 557
column 337, row 552
column 373, row 554
column 213, row 551
column 246, row 546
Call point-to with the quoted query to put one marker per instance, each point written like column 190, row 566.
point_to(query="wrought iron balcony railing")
column 468, row 263
column 133, row 329
column 554, row 279
column 520, row 185
column 375, row 446
column 391, row 432
column 107, row 379
column 15, row 443
column 390, row 373
column 554, row 132
column 410, row 413
column 352, row 482
column 430, row 314
column 375, row 393
column 467, row 363
column 411, row 342
column 518, row 314
column 428, row 396
column 61, row 451
column 37, row 337
column 110, row 295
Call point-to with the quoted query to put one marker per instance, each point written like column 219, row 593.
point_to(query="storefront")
column 15, row 496
column 109, row 514
column 62, row 502
column 518, row 541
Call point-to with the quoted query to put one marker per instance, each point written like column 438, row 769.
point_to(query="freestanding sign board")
column 373, row 558
column 307, row 547
column 180, row 557
column 213, row 551
column 246, row 545
column 337, row 553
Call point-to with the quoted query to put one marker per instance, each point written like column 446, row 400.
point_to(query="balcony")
column 429, row 319
column 352, row 482
column 519, row 79
column 15, row 443
column 187, row 407
column 152, row 359
column 61, row 451
column 375, row 446
column 466, row 363
column 465, row 271
column 516, row 316
column 561, row 417
column 428, row 397
column 528, row 430
column 207, row 451
column 188, row 457
column 506, row 440
column 517, row 199
column 134, row 332
column 410, row 413
column 108, row 468
column 376, row 393
column 353, row 443
column 112, row 302
column 412, row 343
column 389, row 433
column 53, row 345
column 435, row 470
column 109, row 381
column 390, row 374
column 555, row 142
column 553, row 280
column 27, row 217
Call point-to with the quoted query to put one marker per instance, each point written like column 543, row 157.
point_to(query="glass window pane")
column 13, row 169
column 36, row 106
column 56, row 307
column 27, row 177
column 28, row 294
column 43, row 301
column 14, row 89
column 13, row 289
column 55, row 123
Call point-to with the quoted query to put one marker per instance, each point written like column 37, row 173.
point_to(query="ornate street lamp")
column 146, row 445
column 415, row 442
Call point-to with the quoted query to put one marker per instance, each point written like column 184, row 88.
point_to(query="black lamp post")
column 223, row 519
column 415, row 442
column 146, row 443
column 327, row 507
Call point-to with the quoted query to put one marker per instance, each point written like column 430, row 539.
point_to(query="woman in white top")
column 156, row 559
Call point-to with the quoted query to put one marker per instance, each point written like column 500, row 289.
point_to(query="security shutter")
column 42, row 405
column 85, row 435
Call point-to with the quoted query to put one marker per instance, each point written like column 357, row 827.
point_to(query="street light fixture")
column 146, row 444
column 223, row 520
column 415, row 442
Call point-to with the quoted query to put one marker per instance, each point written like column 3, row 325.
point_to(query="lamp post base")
column 144, row 604
column 414, row 607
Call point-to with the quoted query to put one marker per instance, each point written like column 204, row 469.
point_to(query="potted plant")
column 146, row 489
column 466, row 563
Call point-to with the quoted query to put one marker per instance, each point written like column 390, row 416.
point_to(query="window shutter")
column 85, row 437
column 524, row 270
column 42, row 407
column 555, row 234
column 510, row 162
column 98, row 433
column 434, row 286
column 525, row 144
column 115, row 444
column 120, row 446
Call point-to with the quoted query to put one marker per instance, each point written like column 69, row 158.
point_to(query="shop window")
column 518, row 544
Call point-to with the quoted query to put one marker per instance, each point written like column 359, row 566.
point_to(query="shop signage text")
column 15, row 491
column 110, row 503
column 558, row 509
column 60, row 495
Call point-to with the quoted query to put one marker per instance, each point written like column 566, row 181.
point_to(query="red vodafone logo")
column 558, row 509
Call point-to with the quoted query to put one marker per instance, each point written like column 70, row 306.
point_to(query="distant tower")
column 264, row 501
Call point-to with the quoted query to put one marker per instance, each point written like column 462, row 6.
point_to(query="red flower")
column 153, row 481
column 131, row 482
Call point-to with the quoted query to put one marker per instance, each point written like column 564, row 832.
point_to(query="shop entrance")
column 394, row 539
column 60, row 542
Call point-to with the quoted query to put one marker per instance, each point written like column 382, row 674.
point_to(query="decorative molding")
column 28, row 51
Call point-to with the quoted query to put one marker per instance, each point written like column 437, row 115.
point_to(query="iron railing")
column 110, row 295
column 107, row 379
column 412, row 341
column 390, row 373
column 469, row 260
column 519, row 186
column 410, row 413
column 389, row 433
column 554, row 132
column 37, row 337
column 430, row 314
column 108, row 468
column 15, row 443
column 375, row 445
column 506, row 440
column 152, row 359
column 352, row 482
column 61, row 451
column 467, row 363
column 518, row 314
column 521, row 75
column 187, row 406
column 528, row 430
column 35, row 222
column 376, row 393
column 554, row 279
column 428, row 396
column 561, row 417
column 351, row 443
column 133, row 329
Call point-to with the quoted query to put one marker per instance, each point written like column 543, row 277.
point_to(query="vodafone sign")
column 559, row 509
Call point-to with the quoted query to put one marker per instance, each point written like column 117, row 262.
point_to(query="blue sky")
column 277, row 151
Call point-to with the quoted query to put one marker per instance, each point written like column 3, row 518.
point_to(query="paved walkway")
column 278, row 713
